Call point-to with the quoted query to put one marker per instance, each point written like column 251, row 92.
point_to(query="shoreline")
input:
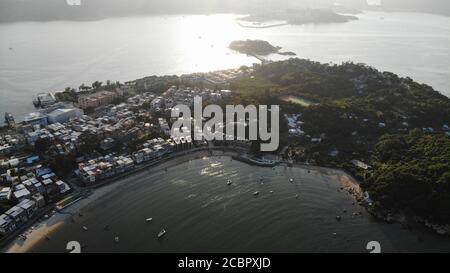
column 44, row 228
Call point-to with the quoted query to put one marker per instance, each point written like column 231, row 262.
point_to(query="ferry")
column 9, row 119
column 161, row 233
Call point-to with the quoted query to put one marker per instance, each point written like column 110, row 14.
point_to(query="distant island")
column 300, row 16
column 53, row 10
column 257, row 48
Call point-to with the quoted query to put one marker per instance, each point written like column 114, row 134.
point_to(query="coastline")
column 45, row 228
column 37, row 233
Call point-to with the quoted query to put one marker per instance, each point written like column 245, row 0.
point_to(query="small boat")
column 161, row 233
column 148, row 220
column 271, row 191
column 116, row 239
column 229, row 182
column 291, row 180
column 296, row 196
column 85, row 228
column 256, row 193
column 339, row 218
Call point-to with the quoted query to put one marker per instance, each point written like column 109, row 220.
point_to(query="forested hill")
column 395, row 125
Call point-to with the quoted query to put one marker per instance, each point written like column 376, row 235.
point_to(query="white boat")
column 291, row 180
column 256, row 193
column 229, row 182
column 116, row 239
column 149, row 220
column 161, row 233
column 85, row 228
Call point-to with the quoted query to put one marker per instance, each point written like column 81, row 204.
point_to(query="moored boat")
column 162, row 233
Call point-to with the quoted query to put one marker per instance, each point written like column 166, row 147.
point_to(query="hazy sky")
column 17, row 10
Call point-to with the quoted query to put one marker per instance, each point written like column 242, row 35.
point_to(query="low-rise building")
column 29, row 206
column 5, row 194
column 97, row 99
column 36, row 118
column 7, row 224
column 18, row 215
column 64, row 115
column 22, row 194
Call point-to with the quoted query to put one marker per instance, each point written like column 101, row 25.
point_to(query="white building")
column 64, row 115
column 36, row 118
column 5, row 194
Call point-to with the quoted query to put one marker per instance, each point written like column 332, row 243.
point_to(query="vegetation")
column 254, row 47
column 376, row 117
column 257, row 48
column 68, row 95
column 412, row 172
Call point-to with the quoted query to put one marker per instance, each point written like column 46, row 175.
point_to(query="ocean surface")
column 49, row 56
column 201, row 213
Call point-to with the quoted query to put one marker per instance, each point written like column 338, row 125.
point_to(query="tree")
column 89, row 143
column 96, row 85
